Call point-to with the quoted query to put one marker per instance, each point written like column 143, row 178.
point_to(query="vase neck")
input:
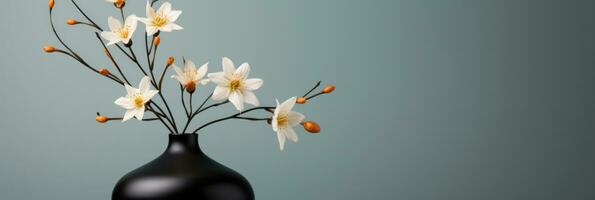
column 183, row 143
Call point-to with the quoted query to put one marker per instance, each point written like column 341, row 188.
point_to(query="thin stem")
column 71, row 53
column 191, row 117
column 85, row 15
column 317, row 94
column 162, row 112
column 253, row 119
column 122, row 13
column 160, row 119
column 191, row 94
column 184, row 101
column 234, row 116
column 145, row 119
column 313, row 88
column 112, row 58
column 205, row 101
column 162, row 75
column 135, row 60
column 206, row 108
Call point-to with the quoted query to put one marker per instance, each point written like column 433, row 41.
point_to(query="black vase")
column 183, row 172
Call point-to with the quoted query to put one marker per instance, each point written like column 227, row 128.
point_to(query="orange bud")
column 71, row 22
column 104, row 71
column 301, row 100
column 311, row 127
column 101, row 119
column 328, row 89
column 156, row 40
column 51, row 4
column 49, row 49
column 190, row 87
column 119, row 3
column 170, row 61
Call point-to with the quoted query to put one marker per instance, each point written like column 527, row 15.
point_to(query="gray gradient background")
column 436, row 99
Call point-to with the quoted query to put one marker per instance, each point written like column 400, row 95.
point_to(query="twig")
column 313, row 88
column 234, row 116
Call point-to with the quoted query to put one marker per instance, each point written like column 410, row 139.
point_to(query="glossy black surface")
column 183, row 172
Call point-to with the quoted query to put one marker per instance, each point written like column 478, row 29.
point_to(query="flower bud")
column 101, row 119
column 119, row 3
column 49, row 49
column 170, row 60
column 301, row 100
column 71, row 22
column 328, row 89
column 190, row 87
column 156, row 41
column 311, row 127
column 51, row 4
column 104, row 71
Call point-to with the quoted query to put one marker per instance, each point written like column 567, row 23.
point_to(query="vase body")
column 183, row 172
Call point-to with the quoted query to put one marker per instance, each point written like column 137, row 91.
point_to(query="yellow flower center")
column 159, row 21
column 138, row 101
column 235, row 84
column 123, row 33
column 282, row 120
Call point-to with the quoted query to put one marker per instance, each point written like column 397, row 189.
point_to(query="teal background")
column 457, row 99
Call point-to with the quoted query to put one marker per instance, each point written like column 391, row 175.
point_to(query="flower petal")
column 202, row 70
column 124, row 103
column 139, row 113
column 218, row 78
column 149, row 95
column 287, row 105
column 290, row 133
column 173, row 15
column 253, row 84
column 167, row 28
column 113, row 23
column 237, row 100
column 228, row 67
column 149, row 10
column 295, row 118
column 281, row 139
column 175, row 26
column 190, row 65
column 128, row 115
column 204, row 81
column 144, row 20
column 111, row 37
column 250, row 98
column 151, row 30
column 131, row 23
column 220, row 93
column 243, row 70
column 164, row 9
column 145, row 85
column 130, row 90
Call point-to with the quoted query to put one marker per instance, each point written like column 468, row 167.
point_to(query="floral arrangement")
column 232, row 84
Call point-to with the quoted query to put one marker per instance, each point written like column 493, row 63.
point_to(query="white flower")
column 119, row 32
column 233, row 85
column 136, row 98
column 284, row 120
column 189, row 76
column 162, row 20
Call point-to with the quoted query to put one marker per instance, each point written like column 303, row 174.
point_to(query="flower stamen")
column 123, row 33
column 159, row 21
column 235, row 85
column 138, row 101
